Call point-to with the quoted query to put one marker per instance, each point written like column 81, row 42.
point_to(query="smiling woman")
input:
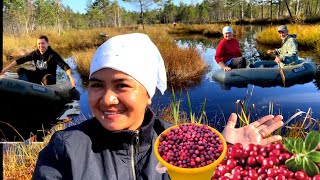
column 113, row 96
column 118, row 142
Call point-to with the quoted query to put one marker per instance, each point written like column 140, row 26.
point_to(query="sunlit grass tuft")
column 176, row 115
column 244, row 108
column 299, row 124
column 182, row 64
column 83, row 59
column 19, row 159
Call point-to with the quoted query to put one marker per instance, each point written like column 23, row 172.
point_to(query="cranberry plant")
column 305, row 153
column 202, row 112
column 176, row 111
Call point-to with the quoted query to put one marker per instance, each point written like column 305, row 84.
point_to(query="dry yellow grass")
column 210, row 30
column 67, row 41
column 19, row 159
column 182, row 64
column 83, row 59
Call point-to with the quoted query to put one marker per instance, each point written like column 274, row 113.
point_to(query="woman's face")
column 227, row 35
column 117, row 100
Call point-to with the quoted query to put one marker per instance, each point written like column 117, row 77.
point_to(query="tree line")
column 26, row 16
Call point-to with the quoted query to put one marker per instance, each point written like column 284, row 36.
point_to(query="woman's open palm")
column 254, row 132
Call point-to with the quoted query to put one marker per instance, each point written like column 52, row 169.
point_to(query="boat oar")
column 282, row 74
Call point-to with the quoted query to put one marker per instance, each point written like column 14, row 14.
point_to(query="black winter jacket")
column 45, row 63
column 88, row 151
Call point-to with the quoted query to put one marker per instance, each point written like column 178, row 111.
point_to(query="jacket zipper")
column 135, row 141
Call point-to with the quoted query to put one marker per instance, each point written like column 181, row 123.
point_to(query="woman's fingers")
column 272, row 125
column 262, row 120
column 270, row 122
column 270, row 140
column 232, row 121
column 270, row 129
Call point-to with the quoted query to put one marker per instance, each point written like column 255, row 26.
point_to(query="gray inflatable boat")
column 264, row 73
column 27, row 107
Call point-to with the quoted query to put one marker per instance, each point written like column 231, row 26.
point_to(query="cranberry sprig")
column 305, row 153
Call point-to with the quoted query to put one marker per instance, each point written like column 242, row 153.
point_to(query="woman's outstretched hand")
column 254, row 132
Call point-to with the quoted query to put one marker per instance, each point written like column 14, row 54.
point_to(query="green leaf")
column 298, row 159
column 293, row 165
column 310, row 167
column 314, row 156
column 312, row 140
column 289, row 144
column 298, row 146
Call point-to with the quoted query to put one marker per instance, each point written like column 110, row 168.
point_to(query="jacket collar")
column 288, row 37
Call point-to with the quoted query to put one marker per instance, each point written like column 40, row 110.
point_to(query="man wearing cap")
column 228, row 54
column 288, row 53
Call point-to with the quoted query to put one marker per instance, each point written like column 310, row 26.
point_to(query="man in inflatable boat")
column 46, row 61
column 288, row 53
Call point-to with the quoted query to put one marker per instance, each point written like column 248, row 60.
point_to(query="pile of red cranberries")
column 190, row 146
column 258, row 163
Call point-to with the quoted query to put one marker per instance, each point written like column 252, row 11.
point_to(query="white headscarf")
column 136, row 55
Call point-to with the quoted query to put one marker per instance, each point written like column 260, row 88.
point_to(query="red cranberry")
column 300, row 175
column 316, row 177
column 267, row 163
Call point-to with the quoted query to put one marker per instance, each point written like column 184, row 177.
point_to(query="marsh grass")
column 83, row 59
column 174, row 114
column 182, row 64
column 19, row 159
column 192, row 116
column 244, row 108
column 299, row 124
column 14, row 47
column 208, row 30
column 308, row 36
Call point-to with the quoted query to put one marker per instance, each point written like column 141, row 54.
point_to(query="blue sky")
column 81, row 5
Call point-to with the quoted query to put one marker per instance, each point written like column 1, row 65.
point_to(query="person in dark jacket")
column 46, row 61
column 117, row 143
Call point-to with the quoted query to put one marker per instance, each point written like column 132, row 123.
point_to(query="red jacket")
column 227, row 49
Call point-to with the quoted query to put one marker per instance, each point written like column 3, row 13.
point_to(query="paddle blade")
column 282, row 75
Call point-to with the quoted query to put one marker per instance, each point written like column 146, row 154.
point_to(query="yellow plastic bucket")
column 202, row 173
